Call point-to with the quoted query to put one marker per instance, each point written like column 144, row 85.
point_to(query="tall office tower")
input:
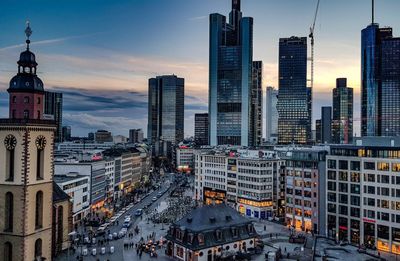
column 342, row 120
column 66, row 133
column 318, row 131
column 136, row 136
column 53, row 103
column 294, row 99
column 326, row 128
column 380, row 79
column 201, row 128
column 271, row 114
column 26, row 168
column 230, row 78
column 256, row 104
column 166, row 111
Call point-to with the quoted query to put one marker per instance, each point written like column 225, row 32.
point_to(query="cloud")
column 196, row 18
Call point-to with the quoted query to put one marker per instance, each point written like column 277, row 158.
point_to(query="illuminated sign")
column 368, row 220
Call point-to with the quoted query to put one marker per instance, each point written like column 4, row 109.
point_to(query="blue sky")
column 100, row 53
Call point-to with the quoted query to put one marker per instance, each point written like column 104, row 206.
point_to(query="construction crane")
column 311, row 35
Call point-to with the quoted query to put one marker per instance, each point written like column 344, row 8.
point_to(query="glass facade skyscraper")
column 256, row 104
column 201, row 129
column 342, row 120
column 53, row 105
column 230, row 78
column 166, row 111
column 380, row 79
column 294, row 98
column 271, row 114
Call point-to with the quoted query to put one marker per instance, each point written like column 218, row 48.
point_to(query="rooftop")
column 59, row 194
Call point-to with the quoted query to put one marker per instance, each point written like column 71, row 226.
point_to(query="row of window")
column 26, row 99
column 355, row 165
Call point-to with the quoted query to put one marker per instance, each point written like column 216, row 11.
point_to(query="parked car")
column 154, row 199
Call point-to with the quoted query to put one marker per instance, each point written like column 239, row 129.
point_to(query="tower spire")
column 28, row 33
column 236, row 5
column 373, row 11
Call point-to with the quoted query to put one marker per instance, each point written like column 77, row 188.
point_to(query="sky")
column 101, row 53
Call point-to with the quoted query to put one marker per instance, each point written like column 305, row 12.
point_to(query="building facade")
column 305, row 193
column 325, row 132
column 363, row 194
column 271, row 115
column 342, row 118
column 165, row 112
column 103, row 136
column 136, row 136
column 294, row 99
column 53, row 105
column 77, row 187
column 201, row 129
column 247, row 180
column 230, row 78
column 66, row 133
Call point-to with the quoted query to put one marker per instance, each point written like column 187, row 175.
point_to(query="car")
column 139, row 212
column 159, row 194
column 113, row 219
column 127, row 223
column 154, row 199
column 122, row 233
column 128, row 216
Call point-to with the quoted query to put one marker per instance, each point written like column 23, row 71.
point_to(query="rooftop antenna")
column 373, row 10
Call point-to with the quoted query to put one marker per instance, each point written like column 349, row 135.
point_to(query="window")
column 383, row 166
column 38, row 100
column 26, row 114
column 385, row 179
column 355, row 177
column 13, row 114
column 396, row 167
column 343, row 198
column 14, row 99
column 369, row 165
column 355, row 189
column 355, row 165
column 331, row 175
column 84, row 198
column 38, row 248
column 39, row 210
column 8, row 251
column 343, row 164
column 343, row 210
column 9, row 212
column 332, row 164
column 39, row 164
column 343, row 175
column 10, row 155
column 355, row 212
column 355, row 201
column 331, row 185
column 38, row 114
column 26, row 99
column 343, row 187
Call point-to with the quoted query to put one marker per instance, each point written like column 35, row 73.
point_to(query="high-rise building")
column 66, row 133
column 326, row 127
column 53, row 104
column 318, row 130
column 166, row 112
column 342, row 118
column 201, row 129
column 230, row 78
column 271, row 114
column 28, row 214
column 256, row 104
column 136, row 136
column 294, row 99
column 103, row 136
column 380, row 82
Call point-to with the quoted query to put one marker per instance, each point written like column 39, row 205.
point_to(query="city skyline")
column 102, row 66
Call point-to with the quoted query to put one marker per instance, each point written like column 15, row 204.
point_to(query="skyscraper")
column 380, row 82
column 53, row 103
column 201, row 128
column 342, row 119
column 294, row 99
column 326, row 120
column 166, row 111
column 136, row 136
column 66, row 133
column 230, row 78
column 271, row 114
column 256, row 104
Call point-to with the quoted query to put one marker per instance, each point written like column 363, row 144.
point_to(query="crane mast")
column 311, row 36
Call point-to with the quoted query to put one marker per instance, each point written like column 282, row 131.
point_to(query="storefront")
column 211, row 196
column 369, row 234
column 355, row 232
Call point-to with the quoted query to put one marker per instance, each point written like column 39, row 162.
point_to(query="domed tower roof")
column 26, row 79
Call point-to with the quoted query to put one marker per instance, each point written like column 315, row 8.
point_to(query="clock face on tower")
column 10, row 142
column 40, row 142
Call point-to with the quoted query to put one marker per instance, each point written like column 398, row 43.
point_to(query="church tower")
column 26, row 168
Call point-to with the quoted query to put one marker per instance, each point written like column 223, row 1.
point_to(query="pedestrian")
column 285, row 249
